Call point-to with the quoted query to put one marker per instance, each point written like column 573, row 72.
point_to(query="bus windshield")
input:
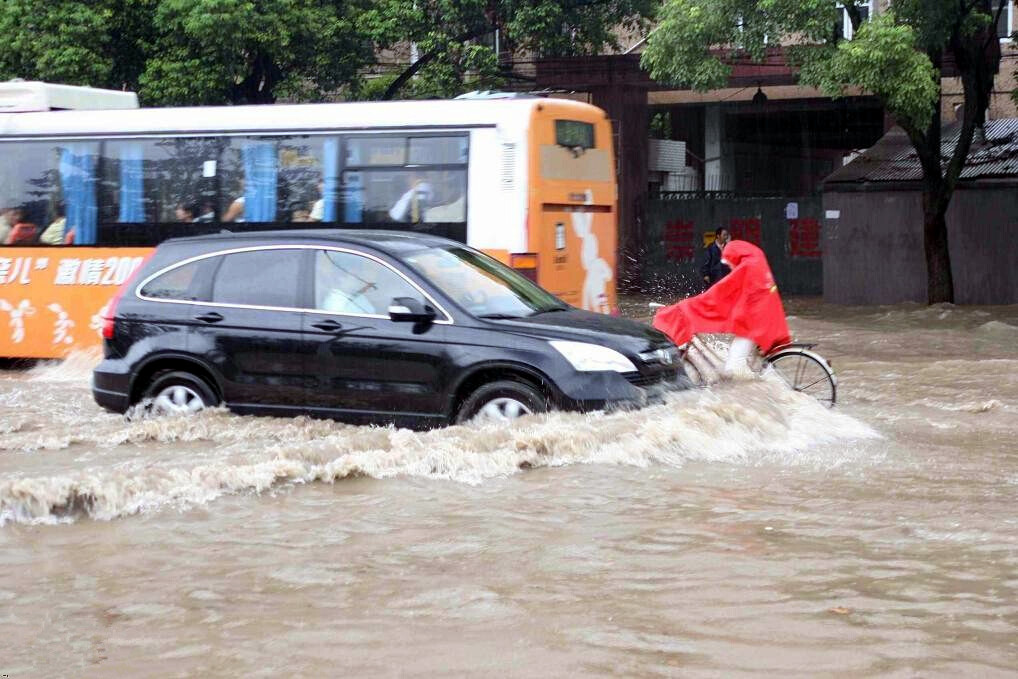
column 483, row 286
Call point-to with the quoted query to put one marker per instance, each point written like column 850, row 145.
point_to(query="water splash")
column 747, row 422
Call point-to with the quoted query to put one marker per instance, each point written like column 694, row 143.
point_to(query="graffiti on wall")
column 679, row 240
column 746, row 228
column 804, row 238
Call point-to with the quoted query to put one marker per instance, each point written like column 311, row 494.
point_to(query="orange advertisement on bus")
column 52, row 299
column 572, row 212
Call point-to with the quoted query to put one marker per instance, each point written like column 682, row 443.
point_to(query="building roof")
column 892, row 159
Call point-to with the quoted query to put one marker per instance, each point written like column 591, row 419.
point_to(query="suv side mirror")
column 410, row 310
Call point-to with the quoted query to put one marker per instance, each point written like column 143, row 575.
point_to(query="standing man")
column 713, row 268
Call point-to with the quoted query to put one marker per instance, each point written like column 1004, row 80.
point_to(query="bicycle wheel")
column 806, row 372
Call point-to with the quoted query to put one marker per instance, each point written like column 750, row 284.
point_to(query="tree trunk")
column 939, row 281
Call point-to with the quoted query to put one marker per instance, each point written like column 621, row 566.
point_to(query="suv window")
column 183, row 282
column 352, row 284
column 258, row 278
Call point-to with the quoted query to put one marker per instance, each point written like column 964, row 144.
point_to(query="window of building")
column 1005, row 23
column 844, row 28
column 347, row 283
column 259, row 278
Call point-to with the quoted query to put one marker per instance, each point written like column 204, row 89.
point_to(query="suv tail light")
column 525, row 263
column 111, row 307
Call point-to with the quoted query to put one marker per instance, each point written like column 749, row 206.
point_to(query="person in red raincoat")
column 744, row 303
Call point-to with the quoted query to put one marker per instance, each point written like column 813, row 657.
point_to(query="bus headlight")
column 592, row 357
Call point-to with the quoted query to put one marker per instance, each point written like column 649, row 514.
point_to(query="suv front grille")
column 644, row 381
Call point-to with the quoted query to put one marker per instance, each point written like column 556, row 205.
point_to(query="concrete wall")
column 673, row 249
column 873, row 249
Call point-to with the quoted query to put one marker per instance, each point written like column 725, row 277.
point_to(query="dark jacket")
column 712, row 268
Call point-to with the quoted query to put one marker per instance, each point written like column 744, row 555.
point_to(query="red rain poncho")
column 745, row 303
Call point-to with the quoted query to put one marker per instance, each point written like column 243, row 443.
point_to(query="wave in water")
column 744, row 422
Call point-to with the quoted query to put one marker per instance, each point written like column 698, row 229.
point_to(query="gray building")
column 873, row 223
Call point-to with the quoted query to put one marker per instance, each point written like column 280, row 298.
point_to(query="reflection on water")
column 737, row 529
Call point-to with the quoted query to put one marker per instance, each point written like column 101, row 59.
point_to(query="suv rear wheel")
column 502, row 401
column 175, row 392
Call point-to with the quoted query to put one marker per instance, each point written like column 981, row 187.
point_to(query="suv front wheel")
column 502, row 401
column 175, row 392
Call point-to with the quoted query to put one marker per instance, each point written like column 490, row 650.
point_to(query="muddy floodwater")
column 737, row 530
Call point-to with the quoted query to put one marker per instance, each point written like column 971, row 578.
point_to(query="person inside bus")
column 744, row 303
column 55, row 232
column 453, row 210
column 317, row 213
column 208, row 212
column 21, row 232
column 184, row 213
column 235, row 213
column 5, row 223
column 411, row 205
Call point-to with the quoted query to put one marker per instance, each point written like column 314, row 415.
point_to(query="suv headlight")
column 593, row 357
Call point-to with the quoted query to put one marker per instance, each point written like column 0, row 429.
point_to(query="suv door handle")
column 210, row 317
column 328, row 325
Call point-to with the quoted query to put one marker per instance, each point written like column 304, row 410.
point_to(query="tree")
column 189, row 51
column 62, row 41
column 455, row 40
column 899, row 56
column 253, row 51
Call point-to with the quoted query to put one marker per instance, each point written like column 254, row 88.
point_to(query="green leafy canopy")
column 889, row 56
column 257, row 51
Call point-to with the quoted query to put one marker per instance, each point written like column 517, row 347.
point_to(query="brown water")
column 736, row 530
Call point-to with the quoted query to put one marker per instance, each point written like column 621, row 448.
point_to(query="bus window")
column 158, row 181
column 405, row 180
column 279, row 179
column 408, row 196
column 438, row 151
column 43, row 183
column 308, row 176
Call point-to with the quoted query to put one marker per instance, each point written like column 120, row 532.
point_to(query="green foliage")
column 63, row 41
column 253, row 51
column 891, row 56
column 188, row 51
column 456, row 38
column 880, row 59
column 257, row 51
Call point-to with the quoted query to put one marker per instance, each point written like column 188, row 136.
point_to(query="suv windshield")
column 483, row 286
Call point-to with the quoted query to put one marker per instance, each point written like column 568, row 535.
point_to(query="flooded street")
column 736, row 530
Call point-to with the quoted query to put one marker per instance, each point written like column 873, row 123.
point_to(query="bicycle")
column 801, row 368
column 805, row 371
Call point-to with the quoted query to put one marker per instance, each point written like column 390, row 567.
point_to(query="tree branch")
column 491, row 27
column 397, row 84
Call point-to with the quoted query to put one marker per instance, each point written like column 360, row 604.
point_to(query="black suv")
column 368, row 327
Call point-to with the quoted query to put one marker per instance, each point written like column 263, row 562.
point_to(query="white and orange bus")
column 86, row 193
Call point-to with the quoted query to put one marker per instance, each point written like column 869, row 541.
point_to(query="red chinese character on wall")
column 678, row 241
column 747, row 229
column 804, row 238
